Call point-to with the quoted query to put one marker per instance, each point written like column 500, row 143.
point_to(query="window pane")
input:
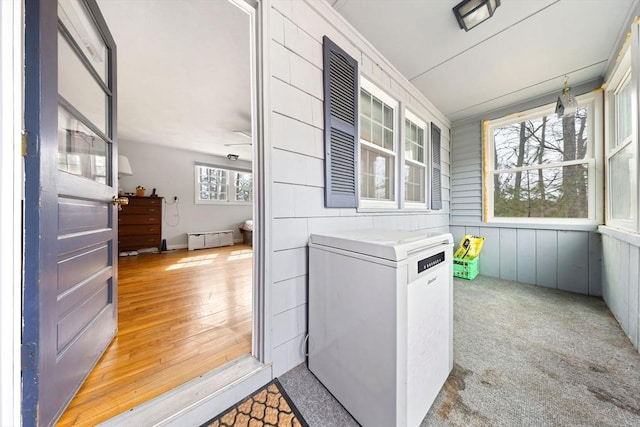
column 623, row 113
column 377, row 175
column 365, row 129
column 365, row 103
column 212, row 183
column 244, row 187
column 544, row 193
column 388, row 139
column 414, row 183
column 388, row 117
column 377, row 110
column 79, row 87
column 623, row 184
column 414, row 142
column 80, row 25
column 376, row 138
column 80, row 151
column 543, row 140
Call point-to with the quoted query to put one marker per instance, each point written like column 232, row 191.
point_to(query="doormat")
column 268, row 406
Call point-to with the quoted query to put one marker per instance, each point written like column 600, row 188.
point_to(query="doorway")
column 153, row 126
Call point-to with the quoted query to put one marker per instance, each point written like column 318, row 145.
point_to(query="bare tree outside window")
column 541, row 167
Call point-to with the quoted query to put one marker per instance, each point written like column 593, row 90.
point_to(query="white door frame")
column 11, row 60
column 11, row 195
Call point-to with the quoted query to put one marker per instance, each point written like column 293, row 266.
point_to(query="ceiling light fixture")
column 471, row 13
column 232, row 157
column 566, row 104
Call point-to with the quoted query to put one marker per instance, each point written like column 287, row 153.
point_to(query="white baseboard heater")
column 209, row 239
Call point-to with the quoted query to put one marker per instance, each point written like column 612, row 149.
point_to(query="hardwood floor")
column 181, row 314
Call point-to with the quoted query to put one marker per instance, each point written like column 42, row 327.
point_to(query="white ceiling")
column 522, row 52
column 184, row 65
column 183, row 73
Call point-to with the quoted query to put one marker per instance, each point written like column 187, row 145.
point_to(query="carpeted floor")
column 523, row 356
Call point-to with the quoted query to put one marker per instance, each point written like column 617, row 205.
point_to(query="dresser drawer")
column 136, row 229
column 140, row 210
column 145, row 201
column 138, row 219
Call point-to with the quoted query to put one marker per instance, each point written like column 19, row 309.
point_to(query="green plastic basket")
column 465, row 268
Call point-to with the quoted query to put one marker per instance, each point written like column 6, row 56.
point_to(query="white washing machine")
column 381, row 321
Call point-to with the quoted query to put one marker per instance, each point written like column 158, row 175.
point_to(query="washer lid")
column 393, row 245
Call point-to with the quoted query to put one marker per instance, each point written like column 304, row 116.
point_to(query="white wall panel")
column 306, row 76
column 489, row 263
column 289, row 233
column 290, row 101
column 277, row 27
column 289, row 323
column 280, row 64
column 309, row 202
column 526, row 256
column 292, row 135
column 634, row 294
column 621, row 284
column 547, row 258
column 290, row 263
column 595, row 264
column 288, row 355
column 288, row 294
column 573, row 261
column 297, row 169
column 283, row 200
column 508, row 254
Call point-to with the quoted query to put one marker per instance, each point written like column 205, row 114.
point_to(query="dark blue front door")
column 70, row 270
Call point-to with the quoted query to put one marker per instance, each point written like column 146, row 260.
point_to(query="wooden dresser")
column 140, row 224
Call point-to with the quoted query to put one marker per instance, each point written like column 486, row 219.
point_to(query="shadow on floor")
column 523, row 355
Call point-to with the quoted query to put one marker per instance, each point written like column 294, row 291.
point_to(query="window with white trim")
column 217, row 185
column 542, row 168
column 415, row 159
column 622, row 176
column 378, row 146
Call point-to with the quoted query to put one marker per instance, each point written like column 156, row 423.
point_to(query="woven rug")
column 268, row 406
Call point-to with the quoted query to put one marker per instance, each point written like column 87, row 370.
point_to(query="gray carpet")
column 523, row 356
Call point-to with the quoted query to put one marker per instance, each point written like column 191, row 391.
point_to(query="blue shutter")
column 340, row 127
column 436, row 184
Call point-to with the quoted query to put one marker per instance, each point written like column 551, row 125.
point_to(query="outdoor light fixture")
column 470, row 13
column 566, row 104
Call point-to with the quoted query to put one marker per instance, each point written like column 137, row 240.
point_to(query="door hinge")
column 30, row 144
column 24, row 143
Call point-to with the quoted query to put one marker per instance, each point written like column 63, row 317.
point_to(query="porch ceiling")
column 522, row 52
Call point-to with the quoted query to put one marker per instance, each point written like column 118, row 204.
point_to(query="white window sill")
column 620, row 234
column 394, row 211
column 221, row 203
column 529, row 225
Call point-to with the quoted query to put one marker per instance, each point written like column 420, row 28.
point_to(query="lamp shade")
column 471, row 13
column 124, row 168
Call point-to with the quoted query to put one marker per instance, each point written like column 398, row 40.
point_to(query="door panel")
column 70, row 283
